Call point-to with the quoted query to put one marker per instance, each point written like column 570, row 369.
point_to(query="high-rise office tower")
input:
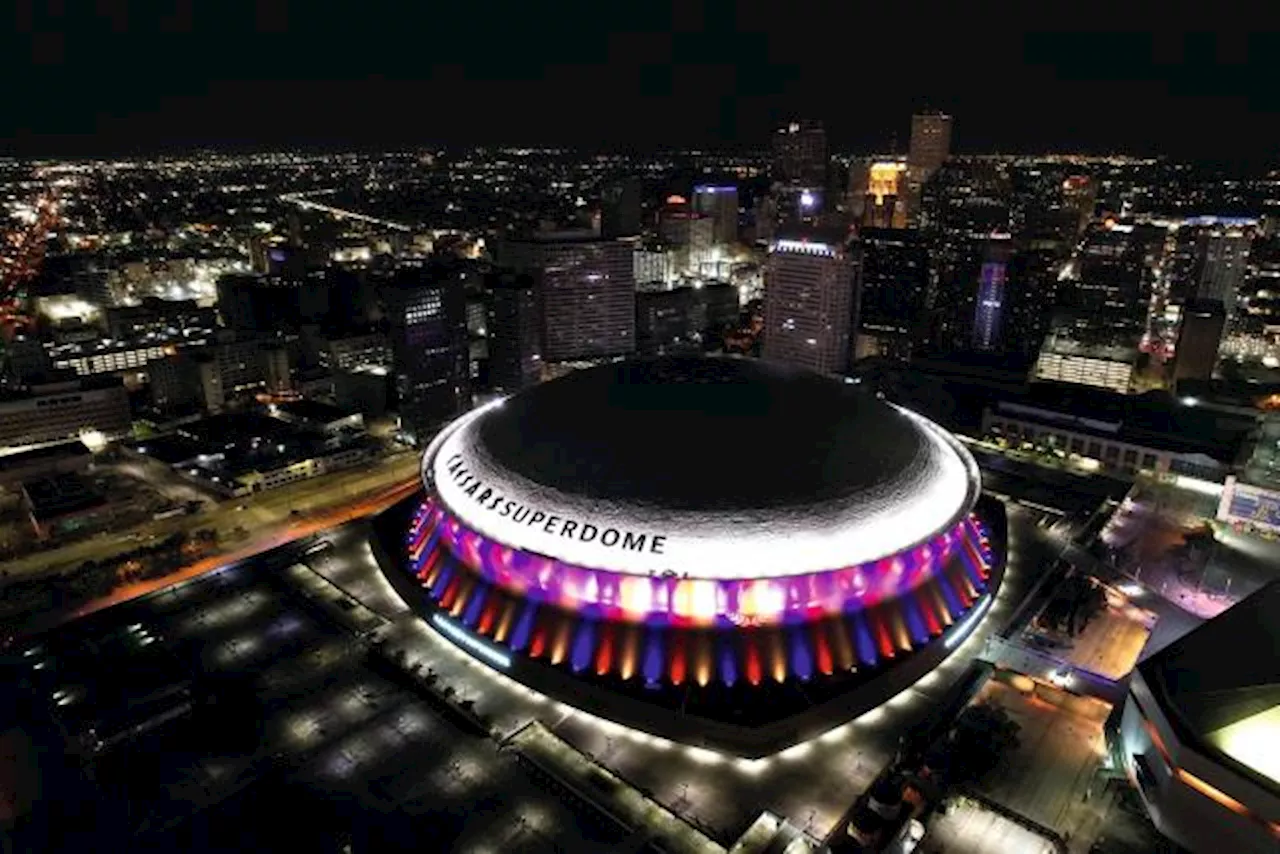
column 800, row 154
column 930, row 147
column 684, row 320
column 1225, row 253
column 1032, row 295
column 1250, row 334
column 992, row 298
column 1079, row 195
column 1207, row 259
column 765, row 218
column 654, row 266
column 175, row 383
column 426, row 305
column 1261, row 294
column 930, row 143
column 691, row 234
column 1196, row 352
column 721, row 306
column 810, row 302
column 1181, row 263
column 620, row 209
column 1110, row 289
column 352, row 301
column 277, row 369
column 720, row 203
column 587, row 286
column 800, row 207
column 895, row 277
column 668, row 323
column 515, row 332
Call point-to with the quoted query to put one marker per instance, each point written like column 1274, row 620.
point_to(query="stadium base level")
column 794, row 691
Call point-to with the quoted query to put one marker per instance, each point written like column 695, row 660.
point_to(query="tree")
column 981, row 736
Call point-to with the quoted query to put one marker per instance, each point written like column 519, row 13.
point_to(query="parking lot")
column 294, row 741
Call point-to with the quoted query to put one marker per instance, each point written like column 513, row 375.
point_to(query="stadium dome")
column 700, row 523
column 737, row 468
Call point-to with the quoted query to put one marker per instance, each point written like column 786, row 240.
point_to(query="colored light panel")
column 677, row 631
column 707, row 601
column 484, row 651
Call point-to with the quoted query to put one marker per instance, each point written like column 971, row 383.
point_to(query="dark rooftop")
column 702, row 433
column 313, row 410
column 1224, row 672
column 227, row 429
column 1155, row 419
column 169, row 449
column 61, row 495
column 63, row 450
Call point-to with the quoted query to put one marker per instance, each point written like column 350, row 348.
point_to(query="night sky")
column 112, row 76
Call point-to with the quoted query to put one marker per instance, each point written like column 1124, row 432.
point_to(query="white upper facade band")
column 927, row 498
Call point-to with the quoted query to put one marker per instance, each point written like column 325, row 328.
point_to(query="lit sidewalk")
column 643, row 815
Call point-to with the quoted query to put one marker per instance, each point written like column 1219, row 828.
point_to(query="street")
column 263, row 511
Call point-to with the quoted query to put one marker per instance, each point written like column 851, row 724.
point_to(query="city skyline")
column 118, row 83
column 725, row 461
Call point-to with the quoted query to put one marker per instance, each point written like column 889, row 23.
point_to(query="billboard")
column 1251, row 505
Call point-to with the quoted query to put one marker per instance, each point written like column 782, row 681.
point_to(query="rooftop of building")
column 150, row 304
column 43, row 453
column 563, row 235
column 1155, row 419
column 1220, row 687
column 235, row 428
column 58, row 382
column 63, row 494
column 796, row 235
column 170, row 449
column 228, row 446
column 1204, row 307
column 1062, row 343
column 314, row 411
column 368, row 370
column 269, row 458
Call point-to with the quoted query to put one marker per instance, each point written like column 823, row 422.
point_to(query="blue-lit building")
column 992, row 297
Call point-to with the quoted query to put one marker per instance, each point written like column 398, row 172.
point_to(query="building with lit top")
column 616, row 539
column 1199, row 734
column 885, row 204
